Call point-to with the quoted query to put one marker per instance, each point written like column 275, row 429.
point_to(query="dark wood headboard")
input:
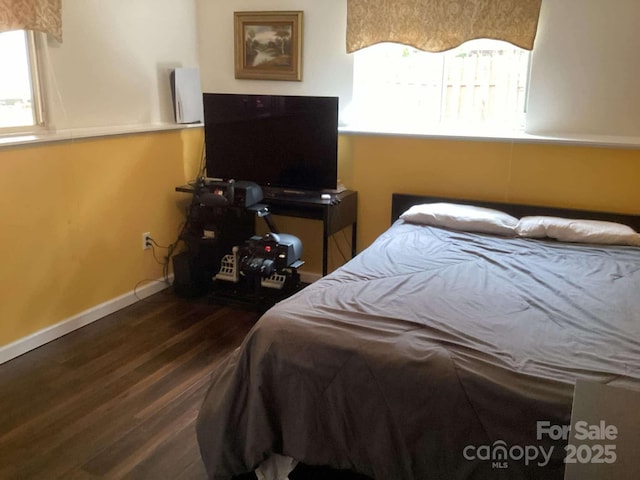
column 400, row 202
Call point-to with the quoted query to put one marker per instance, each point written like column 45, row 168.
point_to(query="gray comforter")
column 424, row 348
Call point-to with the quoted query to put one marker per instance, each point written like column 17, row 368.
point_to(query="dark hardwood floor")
column 117, row 398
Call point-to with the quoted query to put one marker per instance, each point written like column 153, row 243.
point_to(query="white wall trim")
column 579, row 140
column 46, row 335
column 309, row 277
column 71, row 135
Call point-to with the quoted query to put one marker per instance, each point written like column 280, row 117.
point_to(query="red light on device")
column 267, row 248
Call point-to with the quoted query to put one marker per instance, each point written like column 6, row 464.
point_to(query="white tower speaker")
column 187, row 95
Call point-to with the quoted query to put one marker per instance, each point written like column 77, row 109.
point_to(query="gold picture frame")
column 268, row 45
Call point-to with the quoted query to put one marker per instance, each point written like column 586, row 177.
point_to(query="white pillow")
column 578, row 231
column 462, row 217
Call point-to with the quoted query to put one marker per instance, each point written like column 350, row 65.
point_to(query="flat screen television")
column 281, row 141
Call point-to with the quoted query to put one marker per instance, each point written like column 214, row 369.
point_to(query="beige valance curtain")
column 39, row 15
column 438, row 25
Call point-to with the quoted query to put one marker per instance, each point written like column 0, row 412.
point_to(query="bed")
column 433, row 354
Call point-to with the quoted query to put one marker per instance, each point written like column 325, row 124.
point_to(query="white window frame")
column 425, row 81
column 36, row 89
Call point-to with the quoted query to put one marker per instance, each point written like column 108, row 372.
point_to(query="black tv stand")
column 338, row 211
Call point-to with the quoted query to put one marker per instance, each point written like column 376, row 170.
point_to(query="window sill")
column 84, row 133
column 603, row 141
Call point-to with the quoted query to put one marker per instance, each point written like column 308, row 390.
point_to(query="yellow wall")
column 555, row 175
column 73, row 212
column 72, row 218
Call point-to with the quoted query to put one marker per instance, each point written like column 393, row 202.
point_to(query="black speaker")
column 188, row 279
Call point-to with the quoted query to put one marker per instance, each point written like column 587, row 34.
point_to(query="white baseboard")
column 48, row 334
column 309, row 277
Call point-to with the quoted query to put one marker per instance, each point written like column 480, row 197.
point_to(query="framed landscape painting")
column 268, row 45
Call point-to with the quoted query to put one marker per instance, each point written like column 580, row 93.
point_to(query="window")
column 20, row 107
column 481, row 84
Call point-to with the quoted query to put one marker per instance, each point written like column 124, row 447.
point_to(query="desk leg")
column 354, row 232
column 325, row 247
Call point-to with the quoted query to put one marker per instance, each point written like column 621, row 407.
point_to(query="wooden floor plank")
column 117, row 398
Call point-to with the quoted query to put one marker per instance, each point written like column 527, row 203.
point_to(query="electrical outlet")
column 146, row 241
